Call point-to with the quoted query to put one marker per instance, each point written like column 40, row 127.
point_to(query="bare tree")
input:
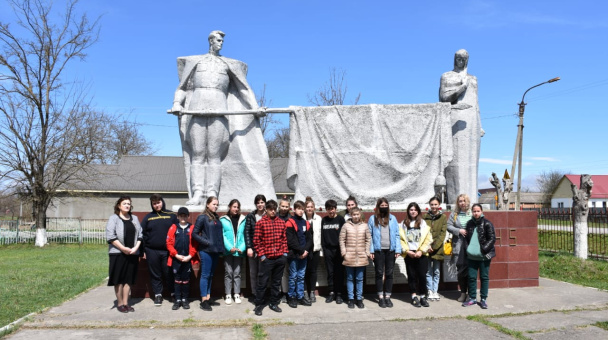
column 127, row 140
column 43, row 120
column 9, row 202
column 267, row 121
column 547, row 182
column 334, row 91
column 278, row 145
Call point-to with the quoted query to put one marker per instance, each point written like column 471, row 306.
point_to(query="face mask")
column 384, row 211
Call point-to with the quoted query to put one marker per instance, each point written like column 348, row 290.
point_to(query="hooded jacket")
column 155, row 227
column 438, row 224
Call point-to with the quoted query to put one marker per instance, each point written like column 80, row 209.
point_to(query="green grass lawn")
column 566, row 267
column 33, row 278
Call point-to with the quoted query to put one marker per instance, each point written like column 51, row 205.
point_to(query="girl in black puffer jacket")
column 480, row 239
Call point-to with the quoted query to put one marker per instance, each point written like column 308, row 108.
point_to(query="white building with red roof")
column 562, row 196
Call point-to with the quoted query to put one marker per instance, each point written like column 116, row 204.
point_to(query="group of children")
column 275, row 242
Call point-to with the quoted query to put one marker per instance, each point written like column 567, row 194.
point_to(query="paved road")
column 554, row 310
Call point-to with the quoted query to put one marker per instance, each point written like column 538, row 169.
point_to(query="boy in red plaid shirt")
column 270, row 243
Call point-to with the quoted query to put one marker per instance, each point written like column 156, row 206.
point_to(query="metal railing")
column 556, row 231
column 58, row 230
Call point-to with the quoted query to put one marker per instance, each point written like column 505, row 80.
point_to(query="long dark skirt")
column 123, row 269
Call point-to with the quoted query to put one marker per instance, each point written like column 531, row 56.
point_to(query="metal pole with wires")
column 517, row 154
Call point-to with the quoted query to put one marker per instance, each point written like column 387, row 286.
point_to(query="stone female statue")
column 460, row 89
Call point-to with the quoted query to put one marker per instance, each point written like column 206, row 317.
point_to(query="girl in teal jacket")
column 233, row 225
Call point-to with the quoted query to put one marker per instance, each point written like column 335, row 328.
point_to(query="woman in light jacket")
column 385, row 248
column 416, row 241
column 123, row 233
column 310, row 279
column 355, row 241
column 456, row 225
column 233, row 225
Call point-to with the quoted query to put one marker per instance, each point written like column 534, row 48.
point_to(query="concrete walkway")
column 555, row 310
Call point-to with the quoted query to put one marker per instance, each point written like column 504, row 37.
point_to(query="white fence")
column 58, row 230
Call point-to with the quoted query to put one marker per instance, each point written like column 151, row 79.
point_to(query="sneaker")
column 351, row 304
column 483, row 304
column 185, row 304
column 228, row 300
column 213, row 303
column 469, row 302
column 381, row 302
column 130, row 309
column 158, row 300
column 430, row 295
column 206, row 306
column 258, row 310
column 388, row 302
column 292, row 302
column 360, row 304
column 437, row 296
column 284, row 298
column 275, row 308
column 330, row 298
column 313, row 298
column 304, row 302
column 176, row 305
column 463, row 297
column 122, row 309
column 339, row 299
column 306, row 295
column 415, row 302
column 237, row 298
column 424, row 302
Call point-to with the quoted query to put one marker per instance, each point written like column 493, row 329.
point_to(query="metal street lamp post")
column 519, row 141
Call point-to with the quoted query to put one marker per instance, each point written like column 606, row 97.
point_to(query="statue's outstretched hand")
column 262, row 112
column 177, row 108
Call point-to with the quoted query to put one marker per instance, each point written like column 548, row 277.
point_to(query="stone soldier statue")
column 460, row 89
column 224, row 156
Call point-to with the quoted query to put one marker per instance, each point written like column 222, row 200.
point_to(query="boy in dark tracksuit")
column 182, row 254
column 155, row 227
column 330, row 241
column 299, row 243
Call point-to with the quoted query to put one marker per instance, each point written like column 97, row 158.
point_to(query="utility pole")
column 517, row 154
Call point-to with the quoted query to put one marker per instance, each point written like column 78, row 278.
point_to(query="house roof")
column 600, row 184
column 525, row 197
column 162, row 174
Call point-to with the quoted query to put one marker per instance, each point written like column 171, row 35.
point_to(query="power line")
column 598, row 83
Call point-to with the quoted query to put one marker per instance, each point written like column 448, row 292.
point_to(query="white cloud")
column 546, row 159
column 495, row 161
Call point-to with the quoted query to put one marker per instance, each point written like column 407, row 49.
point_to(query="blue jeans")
column 208, row 264
column 432, row 275
column 297, row 271
column 354, row 274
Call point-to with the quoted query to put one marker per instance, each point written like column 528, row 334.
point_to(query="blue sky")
column 394, row 52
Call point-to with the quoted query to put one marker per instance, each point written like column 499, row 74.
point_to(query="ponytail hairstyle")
column 212, row 216
column 310, row 201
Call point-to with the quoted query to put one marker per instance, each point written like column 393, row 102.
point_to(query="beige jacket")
column 355, row 241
